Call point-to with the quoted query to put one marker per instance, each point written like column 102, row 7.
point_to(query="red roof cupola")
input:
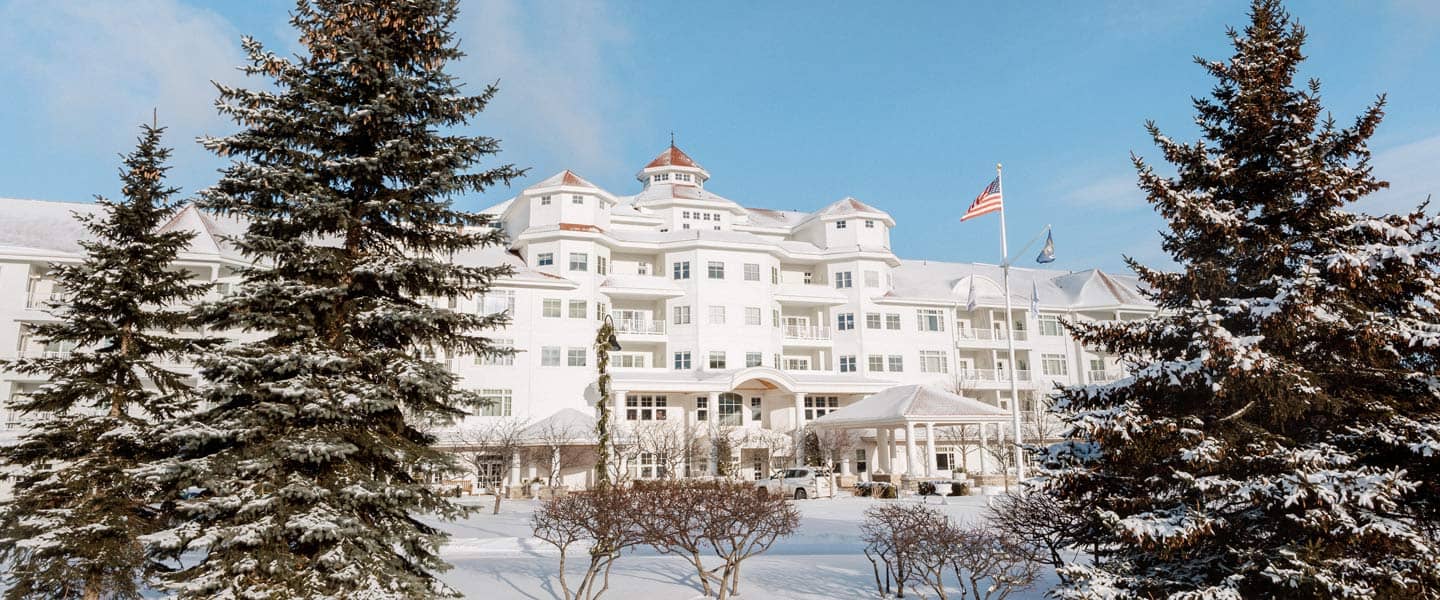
column 673, row 167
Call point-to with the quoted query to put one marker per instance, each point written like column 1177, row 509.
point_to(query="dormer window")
column 544, row 201
column 577, row 199
column 839, row 224
column 869, row 224
column 682, row 177
column 661, row 177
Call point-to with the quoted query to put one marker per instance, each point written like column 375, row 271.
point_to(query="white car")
column 798, row 483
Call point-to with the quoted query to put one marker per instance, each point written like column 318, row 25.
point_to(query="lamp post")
column 605, row 343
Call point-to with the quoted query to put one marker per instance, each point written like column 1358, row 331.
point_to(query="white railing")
column 1103, row 376
column 992, row 375
column 40, row 353
column 805, row 332
column 640, row 326
column 990, row 335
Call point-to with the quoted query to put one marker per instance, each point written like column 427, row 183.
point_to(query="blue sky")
column 788, row 105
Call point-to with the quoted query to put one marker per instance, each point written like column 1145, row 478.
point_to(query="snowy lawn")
column 496, row 557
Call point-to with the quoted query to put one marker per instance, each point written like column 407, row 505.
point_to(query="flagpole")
column 1010, row 334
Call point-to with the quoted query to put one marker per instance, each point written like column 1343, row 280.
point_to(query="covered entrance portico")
column 900, row 410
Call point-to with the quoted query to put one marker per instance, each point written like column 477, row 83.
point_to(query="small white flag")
column 970, row 304
column 1034, row 299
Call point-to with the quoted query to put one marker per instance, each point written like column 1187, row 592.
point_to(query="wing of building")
column 731, row 318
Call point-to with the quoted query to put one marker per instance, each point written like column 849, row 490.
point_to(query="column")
column 845, row 463
column 515, row 469
column 744, row 411
column 799, row 427
column 984, row 461
column 882, row 449
column 930, row 467
column 912, row 452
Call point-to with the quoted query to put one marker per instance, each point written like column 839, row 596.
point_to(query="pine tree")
column 71, row 528
column 345, row 170
column 1280, row 436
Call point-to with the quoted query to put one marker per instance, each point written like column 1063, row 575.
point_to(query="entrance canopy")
column 903, row 405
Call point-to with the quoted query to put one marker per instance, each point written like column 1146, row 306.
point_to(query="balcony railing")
column 640, row 326
column 1103, row 376
column 989, row 335
column 993, row 375
column 805, row 332
column 42, row 353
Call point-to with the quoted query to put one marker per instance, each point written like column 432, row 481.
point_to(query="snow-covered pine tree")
column 1280, row 436
column 71, row 528
column 312, row 453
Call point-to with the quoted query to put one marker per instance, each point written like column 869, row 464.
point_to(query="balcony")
column 804, row 294
column 986, row 337
column 805, row 335
column 993, row 378
column 639, row 327
column 644, row 287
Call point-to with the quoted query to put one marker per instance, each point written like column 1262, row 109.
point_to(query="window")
column 575, row 357
column 497, row 301
column 644, row 407
column 930, row 319
column 602, row 265
column 809, row 278
column 842, row 280
column 892, row 321
column 550, row 356
column 545, row 259
column 845, row 321
column 642, row 268
column 498, row 360
column 839, row 224
column 702, row 412
column 872, row 279
column 752, row 272
column 847, row 364
column 579, row 261
column 775, row 318
column 601, row 310
column 682, row 315
column 1053, row 364
column 797, row 363
column 897, row 363
column 684, row 225
column 819, row 406
column 729, row 409
column 869, row 223
column 630, row 360
column 682, row 177
column 685, row 214
column 550, row 308
column 577, row 199
column 544, row 201
column 682, row 270
column 752, row 315
column 495, row 403
column 872, row 320
column 774, row 275
column 717, row 359
column 1049, row 325
column 577, row 309
column 715, row 270
column 862, row 458
column 756, row 414
column 682, row 360
column 754, row 359
column 877, row 363
column 934, row 361
column 717, row 315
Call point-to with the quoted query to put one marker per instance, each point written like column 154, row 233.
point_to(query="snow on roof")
column 769, row 217
column 848, row 206
column 912, row 403
column 566, row 177
column 673, row 157
column 569, row 425
column 44, row 224
column 948, row 281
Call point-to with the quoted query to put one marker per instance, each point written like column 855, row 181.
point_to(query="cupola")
column 673, row 167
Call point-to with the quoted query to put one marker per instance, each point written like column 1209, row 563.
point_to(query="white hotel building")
column 732, row 317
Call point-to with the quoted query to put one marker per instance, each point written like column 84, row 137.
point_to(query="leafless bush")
column 836, row 444
column 917, row 545
column 605, row 519
column 562, row 445
column 1037, row 525
column 674, row 517
column 672, row 443
column 478, row 447
column 779, row 447
column 744, row 522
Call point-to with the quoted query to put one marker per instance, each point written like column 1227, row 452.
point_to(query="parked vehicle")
column 798, row 483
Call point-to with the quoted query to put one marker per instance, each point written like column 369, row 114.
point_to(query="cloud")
column 558, row 101
column 1413, row 171
column 93, row 68
column 1115, row 193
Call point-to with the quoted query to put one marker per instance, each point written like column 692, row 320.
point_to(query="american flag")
column 989, row 201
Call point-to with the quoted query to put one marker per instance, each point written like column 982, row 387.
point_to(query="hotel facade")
column 738, row 321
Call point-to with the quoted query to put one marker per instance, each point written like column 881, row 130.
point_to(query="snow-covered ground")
column 496, row 557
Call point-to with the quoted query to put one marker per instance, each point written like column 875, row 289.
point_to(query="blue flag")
column 1047, row 253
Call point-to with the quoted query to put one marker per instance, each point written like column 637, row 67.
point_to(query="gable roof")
column 673, row 157
column 912, row 403
column 566, row 177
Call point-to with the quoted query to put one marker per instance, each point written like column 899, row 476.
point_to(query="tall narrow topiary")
column 1280, row 437
column 345, row 169
column 71, row 527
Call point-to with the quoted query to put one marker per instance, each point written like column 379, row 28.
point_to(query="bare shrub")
column 893, row 534
column 674, row 517
column 989, row 566
column 478, row 447
column 605, row 519
column 743, row 522
column 562, row 445
column 917, row 545
column 1038, row 525
column 673, row 444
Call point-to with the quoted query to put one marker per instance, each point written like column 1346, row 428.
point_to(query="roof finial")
column 672, row 138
